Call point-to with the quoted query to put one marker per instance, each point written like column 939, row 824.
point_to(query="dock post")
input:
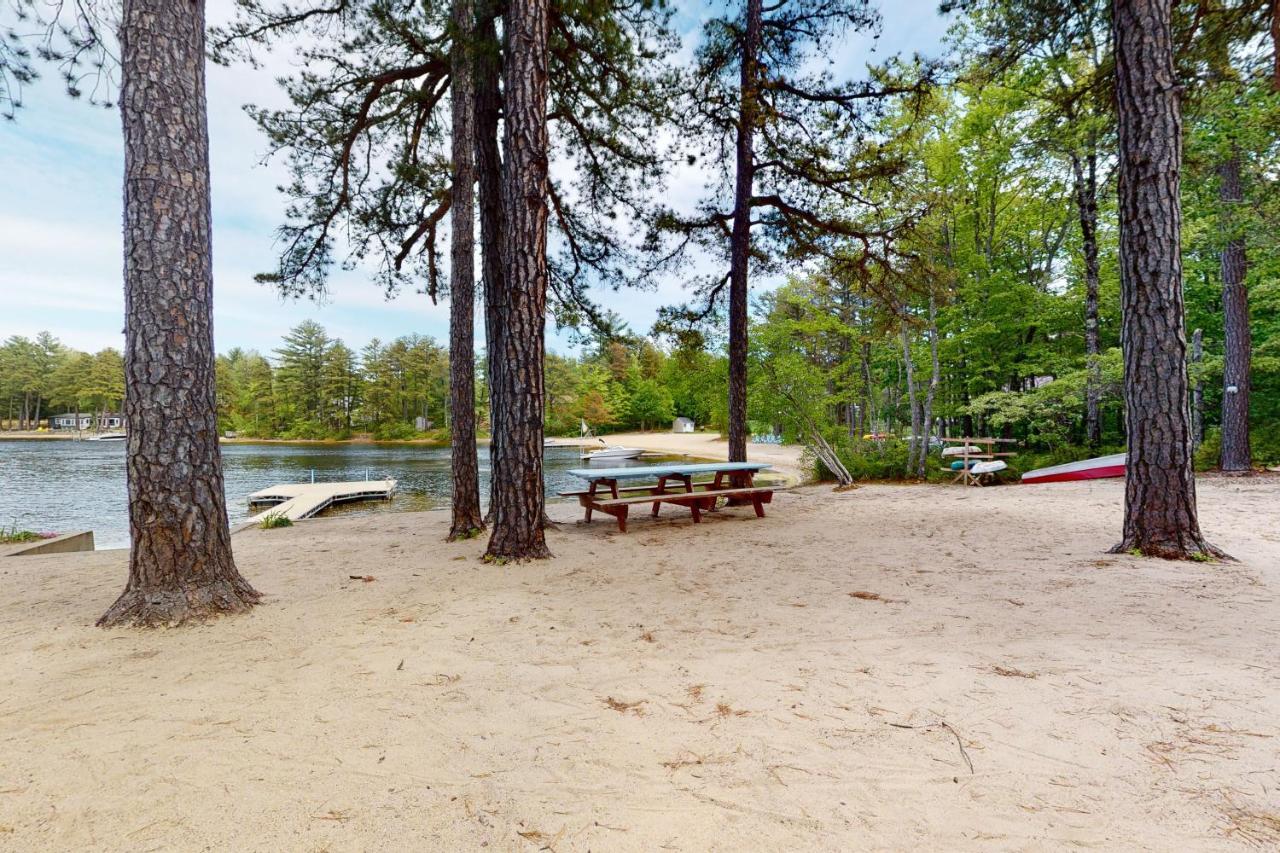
column 313, row 475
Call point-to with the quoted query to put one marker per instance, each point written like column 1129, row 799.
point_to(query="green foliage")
column 41, row 377
column 272, row 520
column 1265, row 444
column 650, row 403
column 394, row 432
column 868, row 460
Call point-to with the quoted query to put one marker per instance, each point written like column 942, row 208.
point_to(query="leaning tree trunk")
column 488, row 105
column 740, row 238
column 1237, row 341
column 467, row 519
column 1085, row 171
column 1160, row 516
column 518, row 488
column 180, row 564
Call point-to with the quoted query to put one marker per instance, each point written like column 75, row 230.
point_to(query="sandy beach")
column 889, row 668
column 786, row 459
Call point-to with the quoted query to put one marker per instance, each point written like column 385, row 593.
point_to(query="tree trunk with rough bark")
column 518, row 487
column 1085, row 172
column 1197, row 392
column 467, row 519
column 912, row 398
column 935, row 379
column 1237, row 339
column 1160, row 518
column 740, row 238
column 488, row 101
column 180, row 564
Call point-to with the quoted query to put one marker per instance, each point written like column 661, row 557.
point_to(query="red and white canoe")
column 1086, row 469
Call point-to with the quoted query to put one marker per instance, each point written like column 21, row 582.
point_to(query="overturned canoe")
column 1086, row 469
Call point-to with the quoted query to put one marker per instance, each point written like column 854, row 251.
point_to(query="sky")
column 61, row 164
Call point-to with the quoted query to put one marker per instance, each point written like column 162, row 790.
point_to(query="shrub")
column 272, row 520
column 868, row 460
column 398, row 431
column 1264, row 444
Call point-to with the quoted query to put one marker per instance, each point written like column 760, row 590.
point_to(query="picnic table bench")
column 731, row 480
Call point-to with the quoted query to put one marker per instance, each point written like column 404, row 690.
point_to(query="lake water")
column 63, row 486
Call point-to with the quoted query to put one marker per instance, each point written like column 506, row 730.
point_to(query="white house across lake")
column 81, row 421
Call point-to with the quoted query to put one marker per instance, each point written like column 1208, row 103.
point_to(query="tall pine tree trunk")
column 180, row 565
column 488, row 100
column 467, row 520
column 935, row 379
column 1085, row 172
column 912, row 398
column 740, row 239
column 1237, row 340
column 1160, row 518
column 1197, row 392
column 518, row 488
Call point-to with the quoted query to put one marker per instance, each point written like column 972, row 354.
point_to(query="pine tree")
column 801, row 149
column 518, row 488
column 180, row 563
column 1160, row 518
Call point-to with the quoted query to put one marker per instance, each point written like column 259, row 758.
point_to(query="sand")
column 787, row 459
column 892, row 668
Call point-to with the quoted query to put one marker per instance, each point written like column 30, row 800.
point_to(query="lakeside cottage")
column 82, row 421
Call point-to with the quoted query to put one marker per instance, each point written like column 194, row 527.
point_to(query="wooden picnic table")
column 732, row 480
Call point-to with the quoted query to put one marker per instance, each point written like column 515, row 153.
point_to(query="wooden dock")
column 296, row 501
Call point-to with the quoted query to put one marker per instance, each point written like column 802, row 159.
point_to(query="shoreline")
column 708, row 446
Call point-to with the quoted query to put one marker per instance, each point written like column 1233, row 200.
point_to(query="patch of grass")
column 272, row 520
column 13, row 537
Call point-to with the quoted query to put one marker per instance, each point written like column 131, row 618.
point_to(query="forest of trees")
column 314, row 386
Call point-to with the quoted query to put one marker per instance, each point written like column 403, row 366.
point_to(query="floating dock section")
column 296, row 501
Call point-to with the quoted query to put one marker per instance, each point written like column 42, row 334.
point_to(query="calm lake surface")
column 63, row 486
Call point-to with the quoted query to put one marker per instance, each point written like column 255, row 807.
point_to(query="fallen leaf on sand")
column 875, row 596
column 1010, row 672
column 624, row 707
column 365, row 578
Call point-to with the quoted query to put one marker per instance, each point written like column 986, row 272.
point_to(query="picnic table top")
column 635, row 472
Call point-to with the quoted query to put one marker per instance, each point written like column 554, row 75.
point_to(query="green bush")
column 868, row 460
column 306, row 430
column 397, row 431
column 1264, row 443
column 272, row 520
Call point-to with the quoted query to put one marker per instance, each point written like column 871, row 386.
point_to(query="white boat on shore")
column 107, row 436
column 612, row 452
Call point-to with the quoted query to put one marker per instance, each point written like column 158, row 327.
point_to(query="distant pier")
column 296, row 501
